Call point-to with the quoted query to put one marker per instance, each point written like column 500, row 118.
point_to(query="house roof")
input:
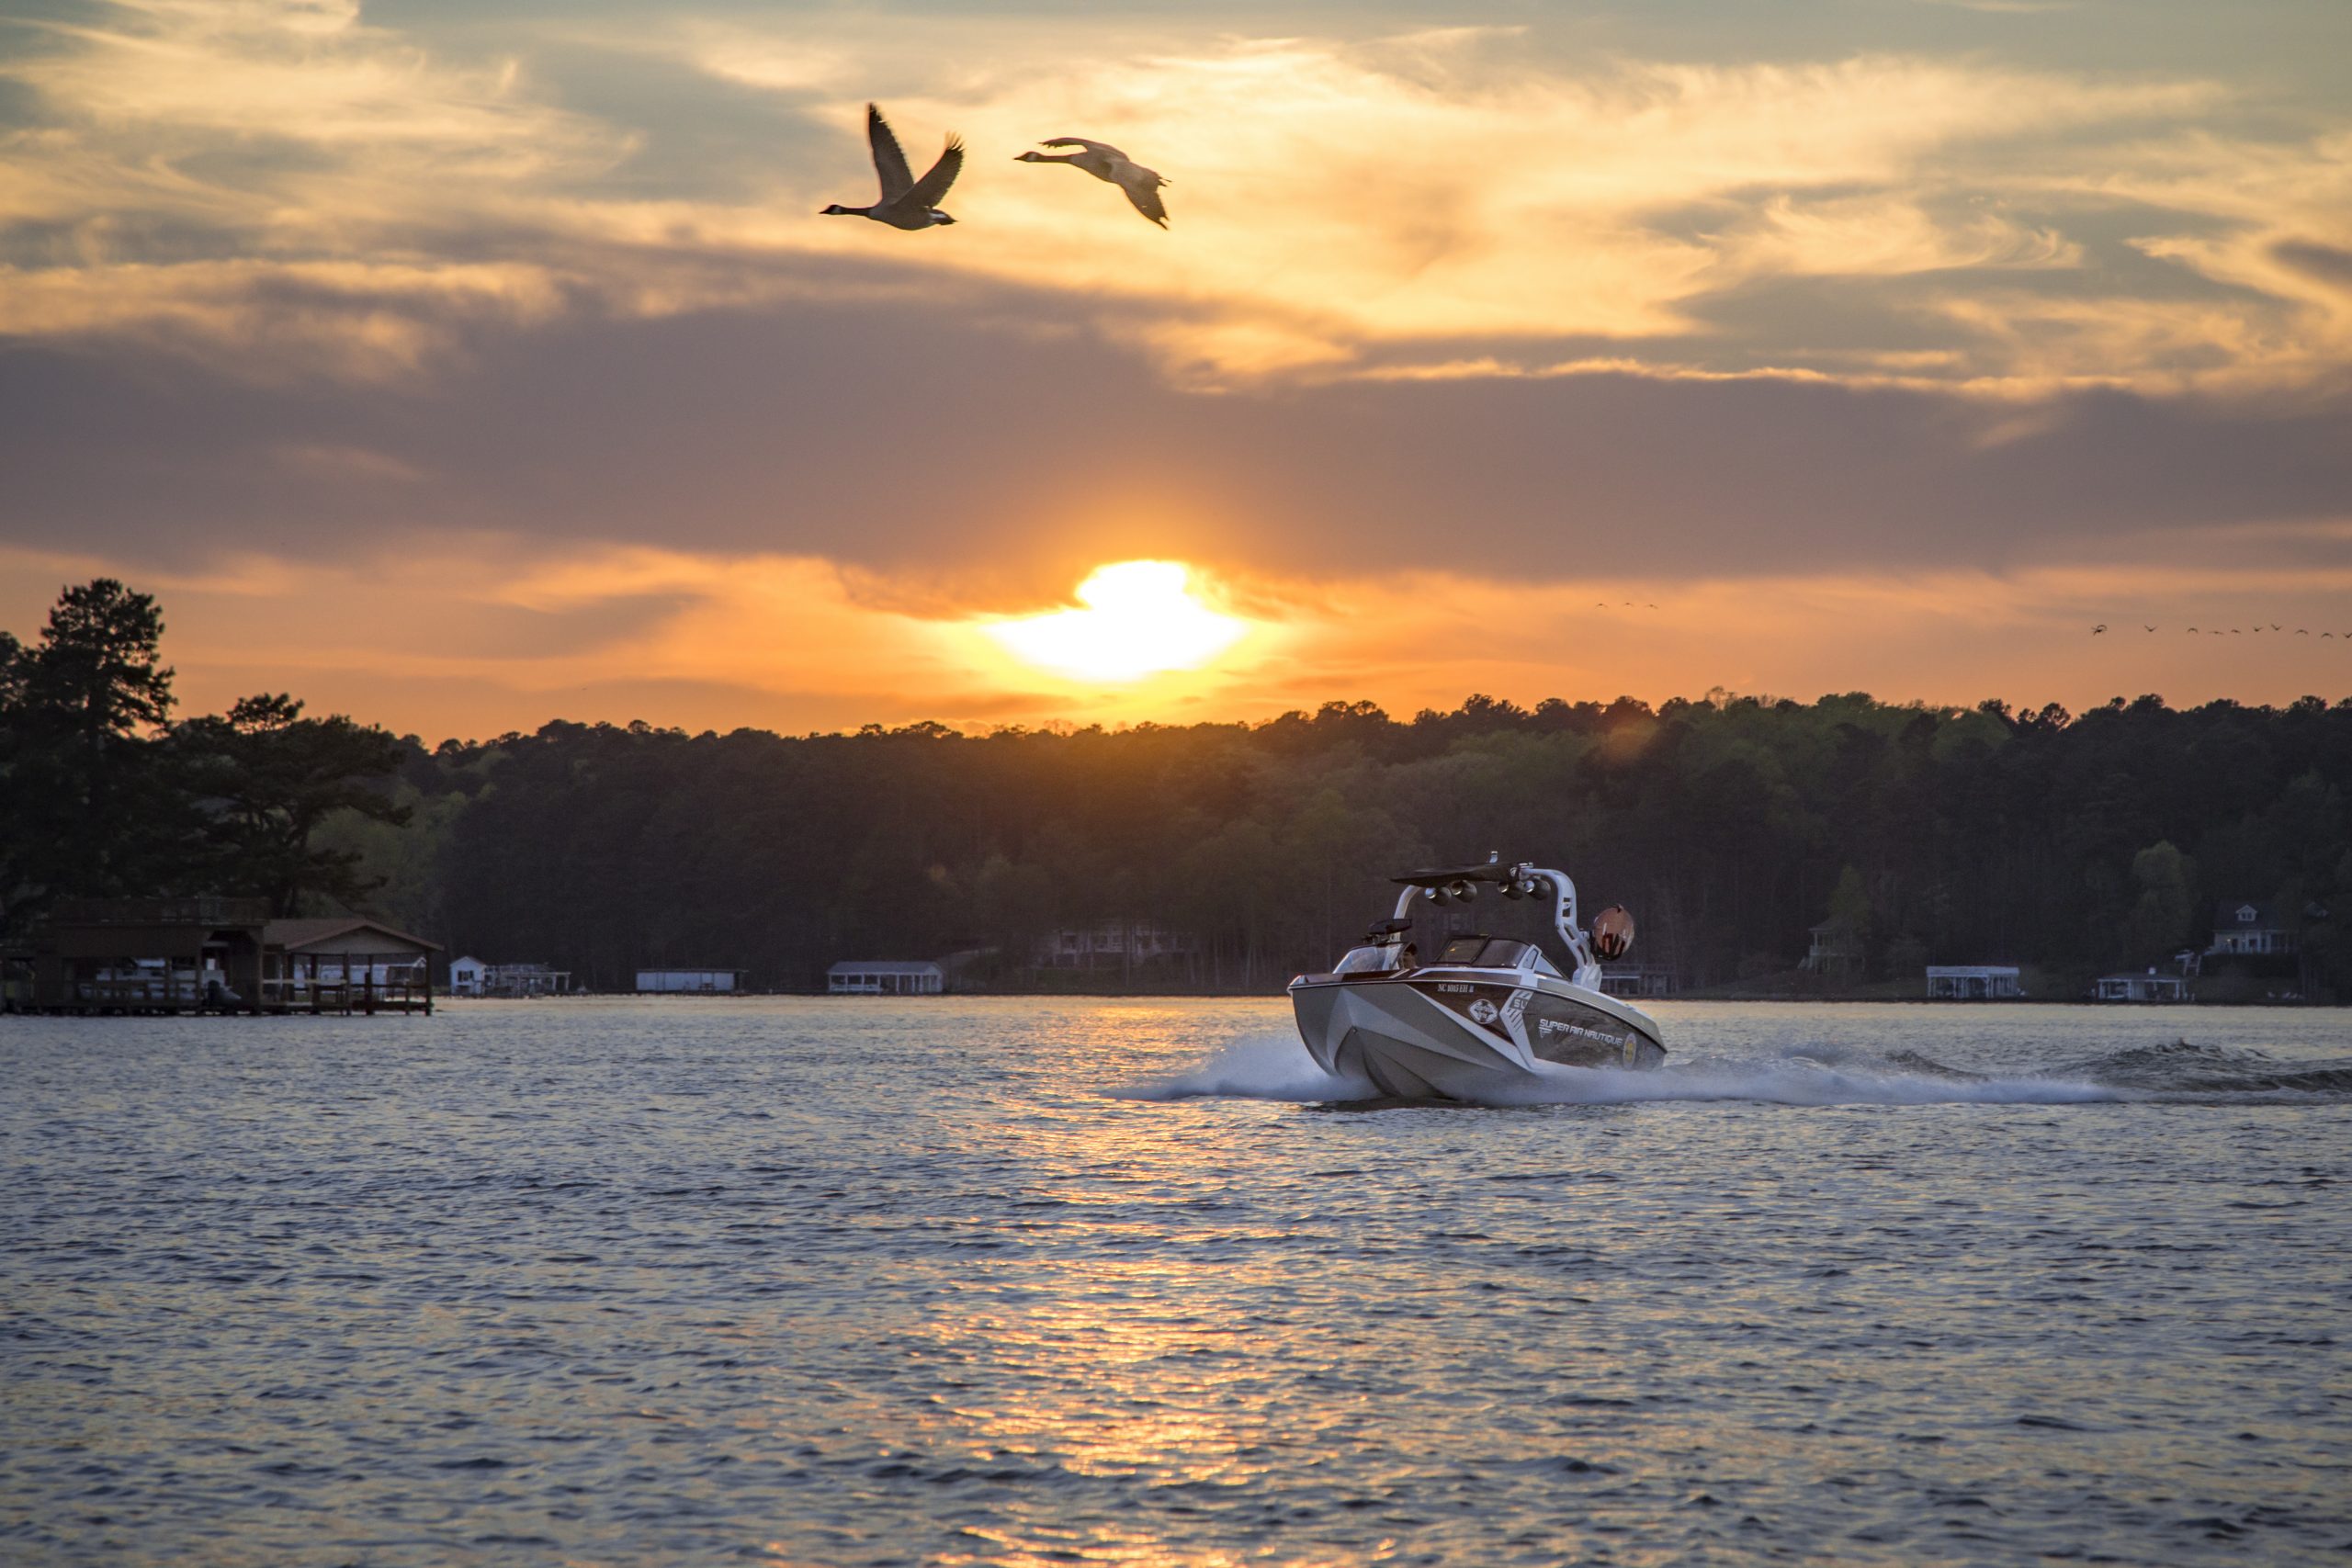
column 332, row 934
column 885, row 966
column 2231, row 912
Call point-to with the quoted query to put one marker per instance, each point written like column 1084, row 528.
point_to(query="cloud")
column 1342, row 206
column 963, row 452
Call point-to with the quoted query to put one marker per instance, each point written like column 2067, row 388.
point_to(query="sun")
column 1140, row 618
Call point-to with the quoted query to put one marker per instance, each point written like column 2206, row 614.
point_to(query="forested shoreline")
column 1729, row 824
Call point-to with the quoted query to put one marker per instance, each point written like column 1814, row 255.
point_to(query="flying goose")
column 1106, row 161
column 2099, row 628
column 907, row 202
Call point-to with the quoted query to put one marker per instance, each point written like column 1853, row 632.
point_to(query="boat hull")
column 1465, row 1034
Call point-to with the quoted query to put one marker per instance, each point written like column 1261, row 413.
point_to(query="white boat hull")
column 1465, row 1034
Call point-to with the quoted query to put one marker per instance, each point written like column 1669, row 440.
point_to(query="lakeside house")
column 1835, row 950
column 689, row 982
column 2151, row 987
column 885, row 978
column 2251, row 926
column 469, row 976
column 1973, row 982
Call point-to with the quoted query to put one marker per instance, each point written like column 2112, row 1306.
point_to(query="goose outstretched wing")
column 1143, row 188
column 1081, row 141
column 888, row 161
column 935, row 181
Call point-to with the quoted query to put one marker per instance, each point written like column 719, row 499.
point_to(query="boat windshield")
column 1495, row 952
column 1366, row 961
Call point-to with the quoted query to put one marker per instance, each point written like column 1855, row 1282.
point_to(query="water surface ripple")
column 947, row 1281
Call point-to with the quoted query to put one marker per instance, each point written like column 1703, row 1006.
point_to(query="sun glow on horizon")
column 1140, row 618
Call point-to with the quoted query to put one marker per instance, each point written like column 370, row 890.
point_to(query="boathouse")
column 1973, row 982
column 147, row 955
column 885, row 978
column 2151, row 987
column 216, row 955
column 341, row 953
column 695, row 982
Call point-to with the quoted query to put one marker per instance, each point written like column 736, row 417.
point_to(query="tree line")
column 1731, row 825
column 104, row 794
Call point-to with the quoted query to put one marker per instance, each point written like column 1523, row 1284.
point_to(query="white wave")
column 1262, row 1066
column 1278, row 1067
column 1795, row 1080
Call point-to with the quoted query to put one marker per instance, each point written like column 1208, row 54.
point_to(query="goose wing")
column 1143, row 188
column 888, row 161
column 935, row 181
column 1082, row 142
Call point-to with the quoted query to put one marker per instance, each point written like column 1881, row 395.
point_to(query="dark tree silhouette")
column 1730, row 825
column 270, row 778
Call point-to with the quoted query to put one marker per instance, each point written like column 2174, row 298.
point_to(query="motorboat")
column 1484, row 1013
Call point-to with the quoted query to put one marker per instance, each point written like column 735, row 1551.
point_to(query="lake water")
column 951, row 1280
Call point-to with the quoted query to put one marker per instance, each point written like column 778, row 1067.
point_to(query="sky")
column 462, row 368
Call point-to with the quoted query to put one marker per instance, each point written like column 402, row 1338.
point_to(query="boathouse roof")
column 334, row 933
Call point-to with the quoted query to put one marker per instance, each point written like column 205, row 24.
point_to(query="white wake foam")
column 1260, row 1067
column 1278, row 1067
column 1797, row 1080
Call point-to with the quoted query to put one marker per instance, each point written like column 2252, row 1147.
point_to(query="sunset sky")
column 462, row 367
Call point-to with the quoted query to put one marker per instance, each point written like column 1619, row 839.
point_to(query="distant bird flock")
column 2100, row 630
column 911, row 203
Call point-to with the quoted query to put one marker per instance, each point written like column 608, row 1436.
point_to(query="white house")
column 885, row 978
column 2250, row 926
column 1834, row 949
column 465, row 975
column 693, row 981
column 1973, row 982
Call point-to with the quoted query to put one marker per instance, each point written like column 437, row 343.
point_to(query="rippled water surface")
column 944, row 1280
